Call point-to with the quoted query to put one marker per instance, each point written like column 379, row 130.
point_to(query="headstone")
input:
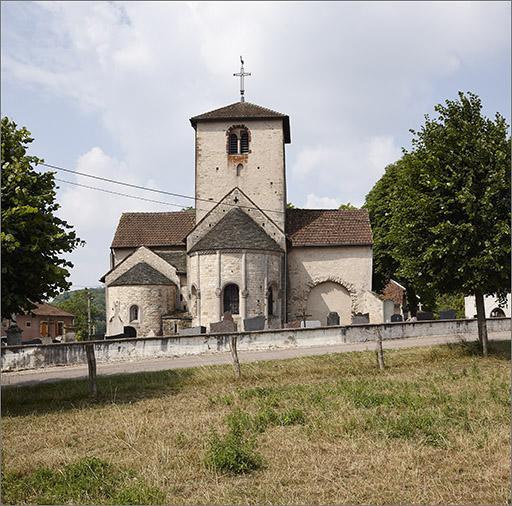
column 223, row 327
column 333, row 318
column 396, row 318
column 294, row 324
column 311, row 324
column 256, row 323
column 388, row 306
column 13, row 333
column 424, row 315
column 448, row 314
column 192, row 331
column 360, row 318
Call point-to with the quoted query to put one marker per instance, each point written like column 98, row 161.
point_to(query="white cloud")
column 353, row 76
column 315, row 202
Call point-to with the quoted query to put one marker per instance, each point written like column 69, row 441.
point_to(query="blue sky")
column 108, row 88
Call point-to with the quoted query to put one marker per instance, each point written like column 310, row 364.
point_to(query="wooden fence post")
column 234, row 355
column 89, row 350
column 380, row 351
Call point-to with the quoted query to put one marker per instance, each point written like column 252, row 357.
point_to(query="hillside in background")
column 75, row 302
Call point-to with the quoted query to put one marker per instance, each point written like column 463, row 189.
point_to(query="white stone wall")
column 153, row 302
column 490, row 303
column 252, row 271
column 349, row 266
column 262, row 177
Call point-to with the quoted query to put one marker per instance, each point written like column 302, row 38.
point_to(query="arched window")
column 497, row 313
column 233, row 144
column 239, row 168
column 270, row 301
column 231, row 303
column 244, row 142
column 134, row 313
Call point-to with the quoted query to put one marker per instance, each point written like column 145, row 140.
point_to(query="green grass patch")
column 233, row 453
column 89, row 481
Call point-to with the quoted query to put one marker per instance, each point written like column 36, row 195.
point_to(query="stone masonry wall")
column 262, row 177
column 350, row 266
column 260, row 268
column 153, row 302
column 17, row 358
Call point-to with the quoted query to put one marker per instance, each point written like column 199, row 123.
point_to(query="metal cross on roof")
column 242, row 74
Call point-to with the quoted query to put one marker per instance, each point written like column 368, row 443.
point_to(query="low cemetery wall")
column 21, row 357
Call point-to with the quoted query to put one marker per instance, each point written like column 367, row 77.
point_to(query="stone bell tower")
column 242, row 145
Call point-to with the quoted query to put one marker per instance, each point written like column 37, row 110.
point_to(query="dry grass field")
column 433, row 428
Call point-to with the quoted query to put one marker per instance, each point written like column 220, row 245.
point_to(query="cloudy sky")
column 107, row 88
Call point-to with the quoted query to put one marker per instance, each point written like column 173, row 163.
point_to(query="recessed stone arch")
column 330, row 293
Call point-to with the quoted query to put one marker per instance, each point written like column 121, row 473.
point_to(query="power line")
column 118, row 193
column 154, row 190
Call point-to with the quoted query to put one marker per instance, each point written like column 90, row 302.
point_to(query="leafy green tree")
column 75, row 301
column 451, row 221
column 33, row 238
column 347, row 207
column 380, row 203
column 76, row 304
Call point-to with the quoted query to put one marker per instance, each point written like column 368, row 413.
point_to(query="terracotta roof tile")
column 244, row 110
column 328, row 227
column 153, row 229
column 45, row 309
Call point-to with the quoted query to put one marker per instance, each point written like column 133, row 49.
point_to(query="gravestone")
column 13, row 333
column 311, row 324
column 360, row 318
column 333, row 318
column 226, row 325
column 256, row 323
column 424, row 315
column 294, row 324
column 448, row 314
column 388, row 306
column 396, row 318
column 192, row 331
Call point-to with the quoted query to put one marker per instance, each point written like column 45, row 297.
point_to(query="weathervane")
column 242, row 74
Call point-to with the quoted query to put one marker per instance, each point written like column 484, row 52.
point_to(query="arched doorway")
column 231, row 299
column 328, row 297
column 129, row 332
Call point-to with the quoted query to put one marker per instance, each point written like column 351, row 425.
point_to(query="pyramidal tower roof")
column 244, row 111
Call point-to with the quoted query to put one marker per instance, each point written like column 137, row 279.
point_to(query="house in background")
column 492, row 307
column 45, row 322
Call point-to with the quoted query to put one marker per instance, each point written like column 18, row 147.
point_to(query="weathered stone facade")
column 244, row 252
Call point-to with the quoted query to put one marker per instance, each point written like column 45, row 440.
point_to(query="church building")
column 241, row 249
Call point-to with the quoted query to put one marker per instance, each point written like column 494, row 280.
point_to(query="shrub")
column 234, row 453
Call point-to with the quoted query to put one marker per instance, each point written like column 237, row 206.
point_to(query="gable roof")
column 44, row 309
column 141, row 274
column 236, row 230
column 153, row 229
column 178, row 259
column 244, row 110
column 328, row 227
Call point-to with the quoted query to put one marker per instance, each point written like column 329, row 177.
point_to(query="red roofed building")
column 241, row 249
column 45, row 321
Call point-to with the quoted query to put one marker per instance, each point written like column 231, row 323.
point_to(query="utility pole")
column 88, row 295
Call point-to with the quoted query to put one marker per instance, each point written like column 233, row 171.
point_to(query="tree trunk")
column 412, row 301
column 380, row 351
column 482, row 324
column 234, row 355
column 91, row 365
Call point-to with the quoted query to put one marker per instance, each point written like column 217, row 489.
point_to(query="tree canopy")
column 33, row 238
column 441, row 214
